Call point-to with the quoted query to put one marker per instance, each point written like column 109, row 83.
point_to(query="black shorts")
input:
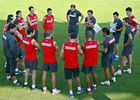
column 93, row 33
column 20, row 55
column 87, row 69
column 53, row 67
column 106, row 61
column 117, row 37
column 33, row 65
column 36, row 34
column 127, row 50
column 73, row 29
column 69, row 72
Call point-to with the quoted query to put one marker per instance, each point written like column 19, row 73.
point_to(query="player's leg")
column 36, row 35
column 26, row 84
column 34, row 72
column 129, row 64
column 116, row 49
column 7, row 69
column 94, row 76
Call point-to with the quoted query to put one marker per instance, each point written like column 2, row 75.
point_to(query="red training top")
column 33, row 19
column 48, row 23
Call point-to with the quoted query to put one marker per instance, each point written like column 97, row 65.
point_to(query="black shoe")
column 36, row 88
column 8, row 79
column 38, row 50
column 25, row 86
column 18, row 83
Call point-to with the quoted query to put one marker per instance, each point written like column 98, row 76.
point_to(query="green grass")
column 127, row 86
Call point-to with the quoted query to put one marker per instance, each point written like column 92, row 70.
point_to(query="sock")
column 53, row 89
column 44, row 88
column 24, row 71
column 94, row 85
column 71, row 92
column 33, row 86
column 89, row 89
column 15, row 81
column 25, row 83
column 117, row 56
column 129, row 69
column 8, row 76
column 119, row 70
column 16, row 69
column 79, row 88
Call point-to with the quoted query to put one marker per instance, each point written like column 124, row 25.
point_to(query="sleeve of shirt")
column 135, row 22
column 79, row 13
column 105, row 44
column 121, row 24
column 128, row 31
column 93, row 21
column 68, row 12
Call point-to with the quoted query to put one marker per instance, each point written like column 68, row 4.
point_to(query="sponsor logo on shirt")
column 112, row 40
column 26, row 42
column 91, row 46
column 46, row 44
column 73, row 15
column 70, row 48
column 4, row 37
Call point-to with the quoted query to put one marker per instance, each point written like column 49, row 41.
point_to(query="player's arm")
column 18, row 35
column 43, row 22
column 121, row 29
column 56, row 46
column 129, row 39
column 137, row 27
column 62, row 53
column 25, row 24
column 29, row 21
column 136, row 33
column 67, row 16
column 35, row 44
column 103, row 51
column 83, row 48
column 80, row 50
column 82, row 17
column 86, row 24
column 37, row 20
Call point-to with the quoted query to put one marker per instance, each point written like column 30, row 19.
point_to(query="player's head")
column 17, row 23
column 31, row 9
column 49, row 33
column 105, row 32
column 126, row 21
column 11, row 27
column 90, row 13
column 10, row 20
column 72, row 7
column 115, row 15
column 73, row 37
column 31, row 31
column 18, row 14
column 89, row 34
column 10, row 16
column 49, row 11
column 128, row 11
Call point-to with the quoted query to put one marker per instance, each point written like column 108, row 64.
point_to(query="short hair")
column 90, row 11
column 49, row 9
column 106, row 30
column 9, row 20
column 129, row 9
column 116, row 13
column 17, row 12
column 73, row 6
column 127, row 20
column 73, row 36
column 9, row 16
column 16, row 22
column 30, row 29
column 30, row 8
column 49, row 31
column 88, row 34
column 11, row 26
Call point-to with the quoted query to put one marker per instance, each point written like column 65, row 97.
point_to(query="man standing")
column 117, row 33
column 7, row 23
column 90, row 49
column 89, row 23
column 11, row 53
column 23, row 24
column 31, row 61
column 47, row 22
column 73, row 20
column 130, row 34
column 33, row 21
column 70, row 51
column 49, row 61
column 107, row 55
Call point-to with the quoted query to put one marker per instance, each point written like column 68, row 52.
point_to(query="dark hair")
column 9, row 16
column 127, row 20
column 16, row 22
column 49, row 9
column 49, row 31
column 73, row 6
column 106, row 30
column 116, row 13
column 128, row 9
column 11, row 26
column 90, row 11
column 30, row 8
column 9, row 20
column 18, row 13
column 73, row 36
column 88, row 34
column 30, row 29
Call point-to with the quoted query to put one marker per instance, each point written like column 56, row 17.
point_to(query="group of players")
column 14, row 35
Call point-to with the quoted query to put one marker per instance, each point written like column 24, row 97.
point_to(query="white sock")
column 8, row 76
column 44, row 88
column 16, row 69
column 24, row 71
column 79, row 88
column 33, row 86
column 15, row 81
column 89, row 89
column 53, row 89
column 25, row 83
column 129, row 69
column 71, row 92
column 94, row 85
